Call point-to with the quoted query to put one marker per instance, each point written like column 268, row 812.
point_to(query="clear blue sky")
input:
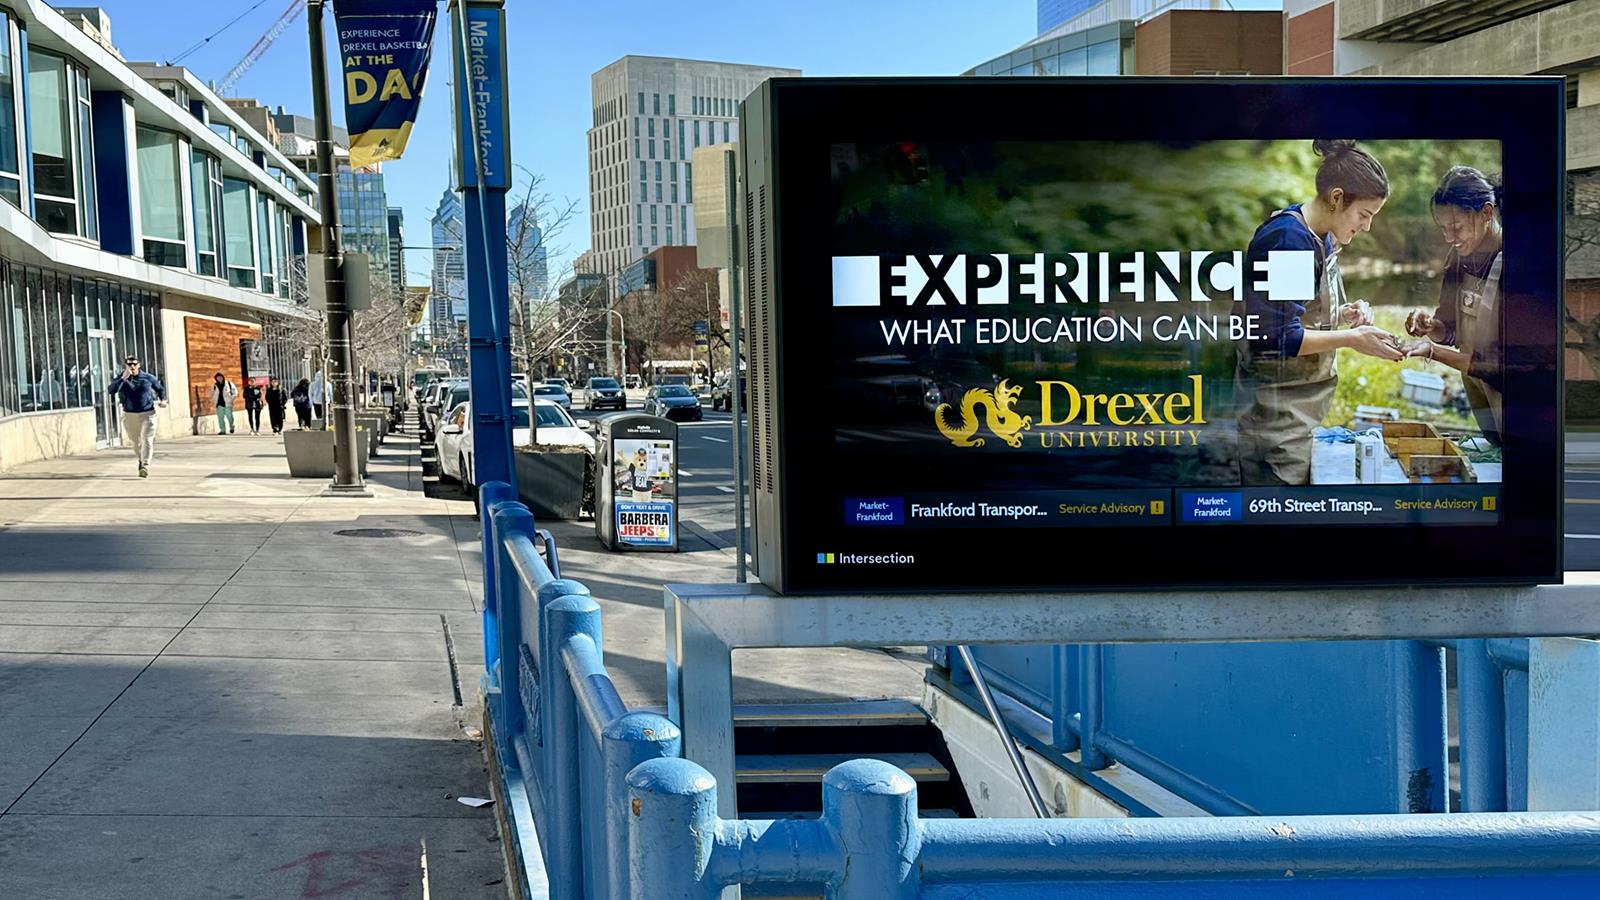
column 557, row 44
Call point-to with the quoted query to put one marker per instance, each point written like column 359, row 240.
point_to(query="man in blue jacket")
column 141, row 394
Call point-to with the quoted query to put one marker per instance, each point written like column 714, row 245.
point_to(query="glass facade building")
column 149, row 200
column 1103, row 50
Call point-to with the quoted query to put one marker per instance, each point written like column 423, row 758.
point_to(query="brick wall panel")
column 214, row 347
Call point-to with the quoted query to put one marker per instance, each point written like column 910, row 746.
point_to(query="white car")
column 455, row 435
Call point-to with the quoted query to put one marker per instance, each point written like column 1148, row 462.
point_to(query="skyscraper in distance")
column 397, row 253
column 448, row 299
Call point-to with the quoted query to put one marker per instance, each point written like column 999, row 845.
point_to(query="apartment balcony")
column 1431, row 21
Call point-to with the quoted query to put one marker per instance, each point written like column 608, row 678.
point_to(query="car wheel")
column 466, row 476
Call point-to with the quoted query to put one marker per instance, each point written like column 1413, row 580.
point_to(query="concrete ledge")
column 31, row 437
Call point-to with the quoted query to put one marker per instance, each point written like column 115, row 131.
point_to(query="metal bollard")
column 508, row 519
column 672, row 828
column 489, row 495
column 559, row 782
column 632, row 739
column 871, row 807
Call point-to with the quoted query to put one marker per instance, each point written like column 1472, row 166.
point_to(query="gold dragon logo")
column 1001, row 416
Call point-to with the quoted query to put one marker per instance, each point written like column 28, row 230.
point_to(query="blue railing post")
column 871, row 808
column 1061, row 734
column 629, row 740
column 672, row 830
column 560, row 782
column 507, row 519
column 489, row 496
column 1091, row 708
column 1480, row 698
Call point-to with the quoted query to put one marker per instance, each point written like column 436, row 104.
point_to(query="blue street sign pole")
column 483, row 172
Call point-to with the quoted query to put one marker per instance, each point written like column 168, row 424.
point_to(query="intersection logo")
column 1165, row 276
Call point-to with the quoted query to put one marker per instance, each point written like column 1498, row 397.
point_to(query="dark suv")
column 605, row 393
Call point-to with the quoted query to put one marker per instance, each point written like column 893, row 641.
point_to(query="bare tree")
column 1583, row 261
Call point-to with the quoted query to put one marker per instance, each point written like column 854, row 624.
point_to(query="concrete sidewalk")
column 207, row 691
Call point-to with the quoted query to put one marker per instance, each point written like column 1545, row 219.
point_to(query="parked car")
column 673, row 401
column 555, row 427
column 555, row 393
column 560, row 383
column 452, row 394
column 722, row 393
column 603, row 393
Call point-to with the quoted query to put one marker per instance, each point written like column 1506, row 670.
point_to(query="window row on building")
column 188, row 209
column 65, row 337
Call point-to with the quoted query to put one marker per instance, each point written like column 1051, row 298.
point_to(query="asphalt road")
column 1582, row 524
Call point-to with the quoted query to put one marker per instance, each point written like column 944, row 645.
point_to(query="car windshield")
column 602, row 382
column 553, row 417
column 673, row 390
column 546, row 390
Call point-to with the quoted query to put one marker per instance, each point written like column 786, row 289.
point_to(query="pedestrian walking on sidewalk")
column 277, row 398
column 140, row 394
column 301, row 395
column 223, row 393
column 252, row 405
column 318, row 391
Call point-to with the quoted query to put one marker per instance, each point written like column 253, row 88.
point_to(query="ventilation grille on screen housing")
column 758, row 287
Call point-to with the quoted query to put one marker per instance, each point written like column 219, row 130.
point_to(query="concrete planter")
column 310, row 453
column 373, row 427
column 550, row 481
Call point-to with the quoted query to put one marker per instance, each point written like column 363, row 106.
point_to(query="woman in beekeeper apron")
column 1464, row 332
column 1285, row 374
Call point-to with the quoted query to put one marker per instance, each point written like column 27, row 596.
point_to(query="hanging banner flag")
column 385, row 46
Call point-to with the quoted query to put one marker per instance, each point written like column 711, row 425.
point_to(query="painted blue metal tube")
column 1481, row 701
column 871, row 808
column 509, row 522
column 489, row 495
column 630, row 740
column 559, row 779
column 774, row 851
column 1509, row 653
column 1179, row 782
column 998, row 850
column 672, row 831
column 598, row 700
column 1061, row 733
column 1090, row 706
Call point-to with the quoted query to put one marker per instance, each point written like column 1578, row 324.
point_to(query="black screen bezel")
column 1527, row 116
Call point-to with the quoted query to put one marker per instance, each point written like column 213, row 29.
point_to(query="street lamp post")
column 341, row 329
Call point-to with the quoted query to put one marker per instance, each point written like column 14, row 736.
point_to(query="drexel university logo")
column 983, row 279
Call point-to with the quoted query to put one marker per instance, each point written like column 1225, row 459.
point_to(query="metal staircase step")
column 834, row 715
column 810, row 767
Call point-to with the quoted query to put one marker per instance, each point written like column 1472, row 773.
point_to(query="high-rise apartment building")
column 397, row 253
column 649, row 113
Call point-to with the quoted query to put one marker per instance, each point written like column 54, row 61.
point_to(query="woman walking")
column 301, row 395
column 223, row 393
column 1286, row 374
column 277, row 398
column 252, row 405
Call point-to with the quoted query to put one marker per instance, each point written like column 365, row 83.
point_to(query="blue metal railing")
column 615, row 814
column 1273, row 728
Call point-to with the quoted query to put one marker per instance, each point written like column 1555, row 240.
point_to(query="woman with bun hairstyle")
column 1285, row 372
column 1464, row 331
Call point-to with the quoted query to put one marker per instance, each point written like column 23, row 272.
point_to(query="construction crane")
column 225, row 86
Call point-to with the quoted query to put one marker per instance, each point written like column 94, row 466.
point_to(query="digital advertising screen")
column 1187, row 333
